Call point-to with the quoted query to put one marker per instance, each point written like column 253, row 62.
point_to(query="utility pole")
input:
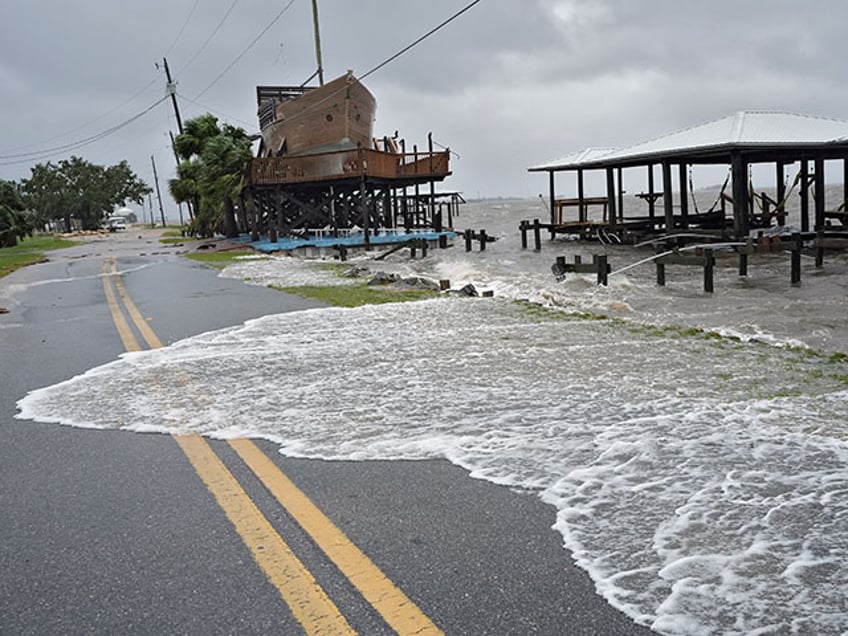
column 172, row 91
column 158, row 195
column 317, row 43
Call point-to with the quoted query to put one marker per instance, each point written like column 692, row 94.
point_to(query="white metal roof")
column 746, row 128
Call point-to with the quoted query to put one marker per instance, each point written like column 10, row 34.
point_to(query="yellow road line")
column 308, row 602
column 146, row 332
column 306, row 599
column 392, row 604
column 124, row 331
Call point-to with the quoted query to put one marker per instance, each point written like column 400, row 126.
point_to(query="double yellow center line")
column 306, row 599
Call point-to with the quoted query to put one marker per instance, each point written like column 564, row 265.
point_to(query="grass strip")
column 29, row 251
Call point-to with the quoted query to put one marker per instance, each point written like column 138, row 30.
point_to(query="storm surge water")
column 695, row 446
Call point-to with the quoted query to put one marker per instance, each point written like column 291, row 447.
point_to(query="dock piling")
column 796, row 259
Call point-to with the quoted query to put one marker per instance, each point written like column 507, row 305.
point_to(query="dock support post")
column 819, row 248
column 805, row 199
column 523, row 227
column 468, row 238
column 709, row 266
column 660, row 270
column 537, row 235
column 796, row 259
column 743, row 263
column 600, row 261
column 482, row 240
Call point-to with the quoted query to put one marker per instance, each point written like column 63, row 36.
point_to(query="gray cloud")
column 509, row 84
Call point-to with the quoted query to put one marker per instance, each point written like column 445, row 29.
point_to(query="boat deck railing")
column 347, row 164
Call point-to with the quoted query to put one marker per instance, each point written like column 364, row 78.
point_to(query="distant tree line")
column 76, row 193
column 72, row 192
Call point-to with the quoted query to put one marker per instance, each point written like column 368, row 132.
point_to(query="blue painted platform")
column 287, row 243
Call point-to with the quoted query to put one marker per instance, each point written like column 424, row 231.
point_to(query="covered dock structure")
column 739, row 141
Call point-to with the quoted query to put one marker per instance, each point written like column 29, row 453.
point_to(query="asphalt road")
column 111, row 532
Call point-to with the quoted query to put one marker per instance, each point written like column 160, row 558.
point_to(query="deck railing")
column 345, row 164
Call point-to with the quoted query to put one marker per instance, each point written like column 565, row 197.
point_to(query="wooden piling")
column 796, row 259
column 523, row 227
column 709, row 266
column 469, row 235
column 537, row 235
column 603, row 268
column 482, row 240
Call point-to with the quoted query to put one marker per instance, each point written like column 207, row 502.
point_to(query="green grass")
column 29, row 251
column 356, row 295
column 219, row 260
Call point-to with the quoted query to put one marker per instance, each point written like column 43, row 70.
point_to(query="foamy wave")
column 695, row 496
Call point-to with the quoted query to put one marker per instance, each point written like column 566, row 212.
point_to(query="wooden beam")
column 779, row 177
column 805, row 199
column 668, row 198
column 620, row 195
column 845, row 183
column 739, row 169
column 552, row 194
column 651, row 198
column 819, row 194
column 582, row 212
column 684, row 196
column 611, row 196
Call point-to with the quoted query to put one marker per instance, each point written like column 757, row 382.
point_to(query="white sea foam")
column 701, row 482
column 699, row 502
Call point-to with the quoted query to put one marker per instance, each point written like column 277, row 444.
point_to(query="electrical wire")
column 419, row 40
column 85, row 125
column 182, row 28
column 249, row 46
column 307, row 111
column 50, row 152
column 216, row 112
column 209, row 39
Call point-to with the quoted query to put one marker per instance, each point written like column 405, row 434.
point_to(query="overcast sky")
column 509, row 84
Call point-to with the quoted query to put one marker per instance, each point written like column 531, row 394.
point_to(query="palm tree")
column 211, row 174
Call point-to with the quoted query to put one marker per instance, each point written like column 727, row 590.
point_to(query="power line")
column 212, row 110
column 182, row 28
column 50, row 152
column 385, row 62
column 86, row 124
column 249, row 46
column 209, row 39
column 419, row 40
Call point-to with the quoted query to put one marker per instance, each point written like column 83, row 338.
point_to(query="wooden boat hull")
column 296, row 121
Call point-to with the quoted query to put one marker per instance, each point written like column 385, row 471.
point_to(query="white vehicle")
column 116, row 223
